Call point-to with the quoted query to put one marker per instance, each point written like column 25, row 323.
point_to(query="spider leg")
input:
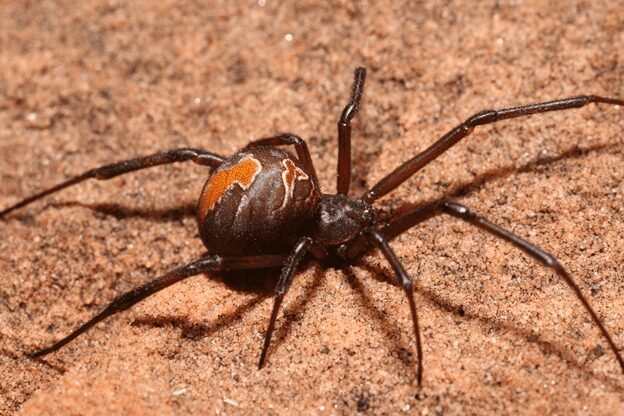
column 105, row 172
column 304, row 245
column 126, row 300
column 378, row 239
column 285, row 139
column 344, row 132
column 537, row 253
column 409, row 168
column 401, row 224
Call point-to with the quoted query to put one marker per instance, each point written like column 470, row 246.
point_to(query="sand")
column 90, row 83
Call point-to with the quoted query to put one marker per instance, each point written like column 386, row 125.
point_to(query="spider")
column 263, row 208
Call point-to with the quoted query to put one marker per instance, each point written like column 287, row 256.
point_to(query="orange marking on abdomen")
column 290, row 176
column 242, row 174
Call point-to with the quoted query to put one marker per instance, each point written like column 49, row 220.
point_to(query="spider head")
column 341, row 219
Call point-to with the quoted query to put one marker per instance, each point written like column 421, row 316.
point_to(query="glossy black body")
column 267, row 217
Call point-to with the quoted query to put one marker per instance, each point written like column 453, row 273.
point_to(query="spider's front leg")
column 415, row 164
column 344, row 132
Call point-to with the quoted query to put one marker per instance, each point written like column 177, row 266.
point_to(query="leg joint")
column 548, row 260
column 289, row 138
column 457, row 210
column 375, row 236
column 482, row 117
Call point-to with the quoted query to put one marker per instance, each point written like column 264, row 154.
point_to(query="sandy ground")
column 82, row 85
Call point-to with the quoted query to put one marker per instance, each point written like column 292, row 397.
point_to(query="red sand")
column 94, row 83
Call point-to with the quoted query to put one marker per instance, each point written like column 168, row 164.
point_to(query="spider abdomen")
column 257, row 202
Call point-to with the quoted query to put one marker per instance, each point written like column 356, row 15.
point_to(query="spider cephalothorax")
column 263, row 208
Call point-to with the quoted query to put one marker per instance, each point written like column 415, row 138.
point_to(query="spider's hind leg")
column 545, row 258
column 378, row 240
column 303, row 246
column 109, row 171
column 128, row 299
column 303, row 153
column 403, row 223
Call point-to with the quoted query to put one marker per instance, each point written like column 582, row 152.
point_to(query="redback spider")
column 263, row 208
